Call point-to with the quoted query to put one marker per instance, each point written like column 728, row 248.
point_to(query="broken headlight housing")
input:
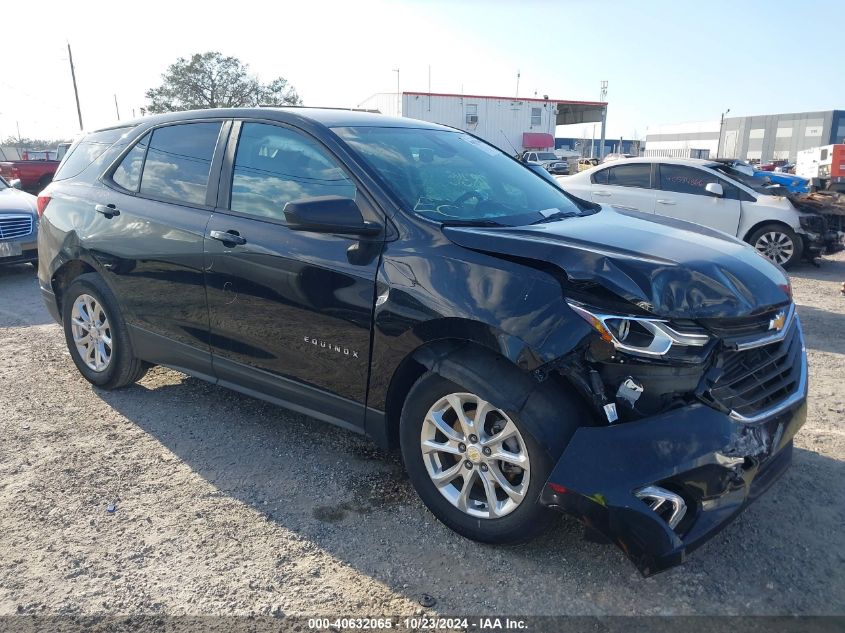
column 639, row 336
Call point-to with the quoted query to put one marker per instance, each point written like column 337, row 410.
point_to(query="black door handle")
column 227, row 237
column 108, row 210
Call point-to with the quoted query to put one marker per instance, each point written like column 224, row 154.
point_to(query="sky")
column 665, row 61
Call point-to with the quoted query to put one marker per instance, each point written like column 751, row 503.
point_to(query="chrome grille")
column 12, row 226
column 757, row 380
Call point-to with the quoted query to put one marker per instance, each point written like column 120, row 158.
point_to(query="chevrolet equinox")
column 526, row 351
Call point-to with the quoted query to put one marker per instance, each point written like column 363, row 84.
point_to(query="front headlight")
column 638, row 335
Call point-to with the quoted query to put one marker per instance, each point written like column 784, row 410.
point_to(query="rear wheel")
column 476, row 466
column 778, row 243
column 96, row 334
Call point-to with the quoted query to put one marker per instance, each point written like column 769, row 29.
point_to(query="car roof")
column 327, row 117
column 697, row 162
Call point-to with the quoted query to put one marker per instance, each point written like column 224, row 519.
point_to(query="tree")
column 210, row 80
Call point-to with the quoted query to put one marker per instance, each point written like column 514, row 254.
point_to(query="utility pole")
column 116, row 109
column 75, row 90
column 398, row 94
column 602, row 97
column 721, row 125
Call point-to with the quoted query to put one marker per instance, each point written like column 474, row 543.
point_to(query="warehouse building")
column 755, row 138
column 513, row 124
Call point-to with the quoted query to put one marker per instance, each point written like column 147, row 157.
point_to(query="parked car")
column 587, row 163
column 549, row 160
column 18, row 225
column 786, row 168
column 36, row 171
column 609, row 158
column 715, row 194
column 527, row 351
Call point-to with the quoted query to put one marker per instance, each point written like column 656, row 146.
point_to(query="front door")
column 290, row 311
column 681, row 194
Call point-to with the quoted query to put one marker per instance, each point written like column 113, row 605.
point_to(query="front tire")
column 475, row 466
column 777, row 243
column 96, row 334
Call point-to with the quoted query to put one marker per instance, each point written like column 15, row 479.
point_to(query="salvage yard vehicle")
column 18, row 225
column 550, row 161
column 712, row 193
column 526, row 350
column 825, row 166
column 36, row 171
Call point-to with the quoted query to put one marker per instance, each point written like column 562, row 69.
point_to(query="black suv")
column 526, row 350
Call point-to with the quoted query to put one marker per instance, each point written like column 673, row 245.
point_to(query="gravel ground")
column 227, row 505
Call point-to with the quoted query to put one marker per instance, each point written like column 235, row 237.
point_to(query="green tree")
column 210, row 80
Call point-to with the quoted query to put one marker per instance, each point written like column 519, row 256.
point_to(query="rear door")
column 627, row 186
column 681, row 194
column 162, row 192
column 290, row 311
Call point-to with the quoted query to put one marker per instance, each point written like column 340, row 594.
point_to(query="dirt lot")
column 227, row 505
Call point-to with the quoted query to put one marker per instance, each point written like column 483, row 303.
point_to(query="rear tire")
column 97, row 336
column 777, row 243
column 510, row 521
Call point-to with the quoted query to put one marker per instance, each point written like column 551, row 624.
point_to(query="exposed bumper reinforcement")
column 716, row 464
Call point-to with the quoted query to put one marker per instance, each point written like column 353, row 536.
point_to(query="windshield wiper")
column 562, row 215
column 478, row 222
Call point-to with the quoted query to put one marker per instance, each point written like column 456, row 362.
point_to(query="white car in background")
column 705, row 192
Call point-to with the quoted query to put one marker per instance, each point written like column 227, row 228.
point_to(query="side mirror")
column 714, row 189
column 16, row 183
column 328, row 214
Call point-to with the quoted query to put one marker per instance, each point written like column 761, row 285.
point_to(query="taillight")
column 41, row 204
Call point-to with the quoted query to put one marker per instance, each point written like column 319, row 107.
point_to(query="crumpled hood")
column 668, row 267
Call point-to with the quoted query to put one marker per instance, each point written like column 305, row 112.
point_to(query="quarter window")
column 633, row 175
column 178, row 162
column 275, row 165
column 682, row 179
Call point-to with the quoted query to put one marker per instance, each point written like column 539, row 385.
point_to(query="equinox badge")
column 351, row 353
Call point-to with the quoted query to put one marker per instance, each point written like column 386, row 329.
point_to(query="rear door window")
column 178, row 161
column 633, row 175
column 128, row 172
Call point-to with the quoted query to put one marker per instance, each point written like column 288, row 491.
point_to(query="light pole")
column 398, row 94
column 721, row 125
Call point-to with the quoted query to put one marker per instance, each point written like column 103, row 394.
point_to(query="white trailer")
column 512, row 124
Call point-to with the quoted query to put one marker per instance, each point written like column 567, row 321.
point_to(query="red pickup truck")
column 33, row 174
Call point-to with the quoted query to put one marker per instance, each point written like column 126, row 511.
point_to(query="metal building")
column 510, row 123
column 755, row 138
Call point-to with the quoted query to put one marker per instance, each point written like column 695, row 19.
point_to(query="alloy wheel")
column 475, row 456
column 777, row 246
column 91, row 333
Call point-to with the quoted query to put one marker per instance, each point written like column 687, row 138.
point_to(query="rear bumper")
column 52, row 304
column 716, row 464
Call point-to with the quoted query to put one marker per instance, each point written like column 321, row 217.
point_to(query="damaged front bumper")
column 714, row 462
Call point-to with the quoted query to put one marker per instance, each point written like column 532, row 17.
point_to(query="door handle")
column 602, row 193
column 228, row 237
column 108, row 210
column 664, row 201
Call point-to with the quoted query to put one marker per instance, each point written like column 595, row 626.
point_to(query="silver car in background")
column 18, row 225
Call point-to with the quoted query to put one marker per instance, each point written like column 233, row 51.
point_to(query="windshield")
column 3, row 184
column 749, row 181
column 454, row 178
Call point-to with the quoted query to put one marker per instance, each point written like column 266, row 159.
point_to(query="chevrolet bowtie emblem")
column 778, row 322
